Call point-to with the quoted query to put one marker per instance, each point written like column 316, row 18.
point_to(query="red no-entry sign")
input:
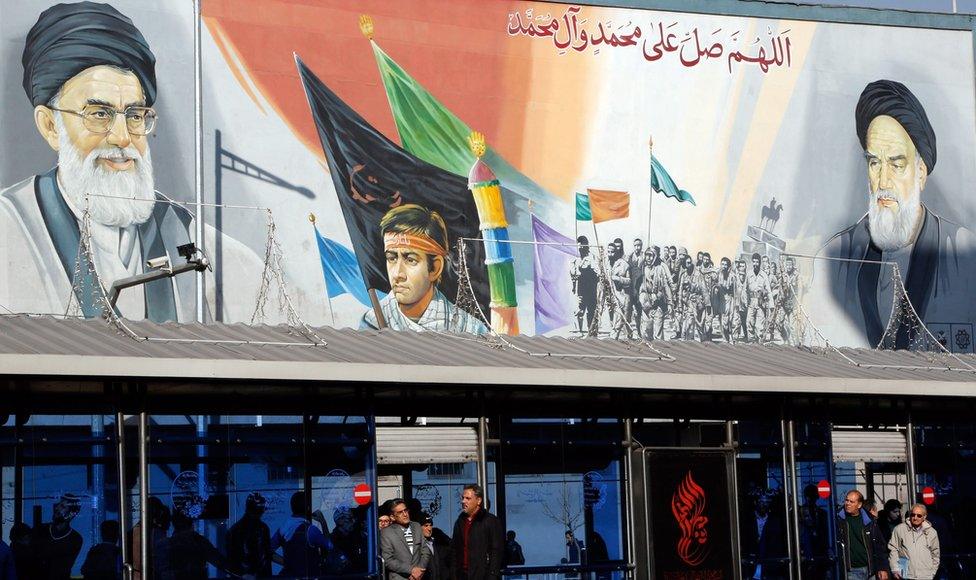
column 823, row 488
column 361, row 494
column 928, row 495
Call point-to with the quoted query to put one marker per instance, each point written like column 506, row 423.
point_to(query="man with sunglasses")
column 913, row 550
column 90, row 76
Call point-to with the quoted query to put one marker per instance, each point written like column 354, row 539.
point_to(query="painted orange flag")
column 607, row 205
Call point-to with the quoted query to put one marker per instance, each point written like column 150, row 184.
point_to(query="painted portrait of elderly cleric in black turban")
column 934, row 255
column 89, row 76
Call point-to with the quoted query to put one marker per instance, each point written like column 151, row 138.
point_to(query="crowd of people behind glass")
column 302, row 547
column 765, row 554
column 664, row 293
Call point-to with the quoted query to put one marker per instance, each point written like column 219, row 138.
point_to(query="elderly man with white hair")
column 913, row 550
column 935, row 256
column 90, row 75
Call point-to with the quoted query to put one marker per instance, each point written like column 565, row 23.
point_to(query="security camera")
column 160, row 263
column 187, row 250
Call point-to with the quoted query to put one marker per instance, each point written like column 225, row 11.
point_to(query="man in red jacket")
column 478, row 543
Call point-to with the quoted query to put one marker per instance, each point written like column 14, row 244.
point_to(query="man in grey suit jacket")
column 405, row 553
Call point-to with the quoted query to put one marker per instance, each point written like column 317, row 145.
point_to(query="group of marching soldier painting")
column 767, row 209
column 665, row 293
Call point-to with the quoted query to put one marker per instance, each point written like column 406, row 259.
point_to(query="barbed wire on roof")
column 185, row 204
column 903, row 315
column 273, row 273
column 86, row 274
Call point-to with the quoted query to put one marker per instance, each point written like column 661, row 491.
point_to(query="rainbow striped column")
column 494, row 229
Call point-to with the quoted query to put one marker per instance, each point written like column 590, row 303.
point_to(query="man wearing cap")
column 90, row 76
column 249, row 540
column 415, row 244
column 56, row 545
column 583, row 273
column 439, row 545
column 654, row 294
column 934, row 256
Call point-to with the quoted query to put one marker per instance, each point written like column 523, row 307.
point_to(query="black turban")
column 895, row 100
column 69, row 38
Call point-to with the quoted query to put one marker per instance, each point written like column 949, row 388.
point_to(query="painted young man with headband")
column 415, row 243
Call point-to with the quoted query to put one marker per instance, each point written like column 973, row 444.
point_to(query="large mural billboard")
column 503, row 167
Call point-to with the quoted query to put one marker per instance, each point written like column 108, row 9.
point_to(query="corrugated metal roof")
column 46, row 346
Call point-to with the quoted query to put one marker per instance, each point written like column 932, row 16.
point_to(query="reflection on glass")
column 436, row 491
column 946, row 466
column 61, row 510
column 258, row 496
column 813, row 466
column 762, row 501
column 563, row 494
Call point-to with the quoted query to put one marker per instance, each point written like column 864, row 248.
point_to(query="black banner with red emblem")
column 691, row 515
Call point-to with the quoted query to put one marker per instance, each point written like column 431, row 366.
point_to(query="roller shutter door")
column 407, row 445
column 870, row 446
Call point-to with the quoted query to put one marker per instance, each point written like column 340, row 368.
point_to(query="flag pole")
column 650, row 198
column 575, row 215
column 604, row 273
column 325, row 279
column 377, row 309
column 366, row 27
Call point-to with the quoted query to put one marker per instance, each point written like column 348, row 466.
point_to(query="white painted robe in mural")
column 846, row 300
column 441, row 316
column 39, row 235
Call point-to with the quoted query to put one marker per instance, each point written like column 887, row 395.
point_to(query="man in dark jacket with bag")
column 477, row 543
column 861, row 544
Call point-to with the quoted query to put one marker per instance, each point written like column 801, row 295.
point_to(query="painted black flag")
column 373, row 175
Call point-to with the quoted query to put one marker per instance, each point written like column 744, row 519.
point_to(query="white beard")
column 894, row 228
column 134, row 189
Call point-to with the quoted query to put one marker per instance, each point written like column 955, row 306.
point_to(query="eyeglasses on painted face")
column 99, row 118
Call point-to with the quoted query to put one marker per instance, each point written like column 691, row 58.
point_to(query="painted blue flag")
column 341, row 269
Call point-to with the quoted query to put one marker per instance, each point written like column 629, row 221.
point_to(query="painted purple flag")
column 554, row 299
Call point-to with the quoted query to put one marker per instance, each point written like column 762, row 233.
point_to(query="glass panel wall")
column 945, row 458
column 679, row 433
column 563, row 490
column 259, row 496
column 814, row 465
column 60, row 494
column 762, row 500
column 436, row 491
column 339, row 460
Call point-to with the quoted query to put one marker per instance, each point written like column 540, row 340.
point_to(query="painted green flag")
column 661, row 182
column 583, row 211
column 433, row 133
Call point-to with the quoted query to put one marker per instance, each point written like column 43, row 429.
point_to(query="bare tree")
column 568, row 510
